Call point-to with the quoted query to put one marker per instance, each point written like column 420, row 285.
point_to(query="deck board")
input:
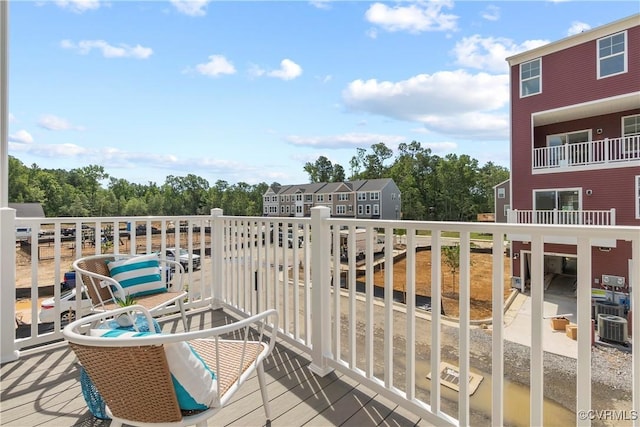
column 43, row 389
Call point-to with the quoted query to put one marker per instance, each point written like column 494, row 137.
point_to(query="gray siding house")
column 373, row 199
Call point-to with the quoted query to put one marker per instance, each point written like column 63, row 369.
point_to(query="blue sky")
column 247, row 91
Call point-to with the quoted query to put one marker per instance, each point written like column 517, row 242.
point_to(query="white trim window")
column 638, row 197
column 360, row 210
column 376, row 209
column 506, row 210
column 320, row 197
column 531, row 78
column 612, row 55
column 341, row 209
column 557, row 206
column 374, row 195
column 631, row 133
column 343, row 197
column 367, row 210
column 362, row 196
column 501, row 193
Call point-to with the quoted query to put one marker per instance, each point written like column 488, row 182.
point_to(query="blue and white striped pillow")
column 139, row 275
column 194, row 382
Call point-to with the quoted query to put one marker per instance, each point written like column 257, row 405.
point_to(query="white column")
column 320, row 292
column 217, row 254
column 4, row 104
column 8, row 349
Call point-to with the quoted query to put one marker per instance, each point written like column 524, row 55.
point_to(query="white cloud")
column 440, row 147
column 414, row 18
column 451, row 102
column 216, row 66
column 21, row 137
column 347, row 140
column 52, row 122
column 78, row 6
column 577, row 27
column 321, row 4
column 83, row 47
column 491, row 13
column 289, row 70
column 489, row 53
column 191, row 7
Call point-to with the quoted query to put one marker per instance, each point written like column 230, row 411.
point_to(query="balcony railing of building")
column 563, row 217
column 604, row 153
column 328, row 305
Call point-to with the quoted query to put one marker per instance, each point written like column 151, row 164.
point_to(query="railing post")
column 217, row 253
column 8, row 350
column 612, row 217
column 320, row 292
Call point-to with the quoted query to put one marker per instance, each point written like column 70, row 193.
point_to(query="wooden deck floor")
column 43, row 389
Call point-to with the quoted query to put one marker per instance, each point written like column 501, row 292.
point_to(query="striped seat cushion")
column 194, row 382
column 139, row 275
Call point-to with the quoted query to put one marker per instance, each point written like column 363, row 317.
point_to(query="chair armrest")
column 178, row 271
column 73, row 331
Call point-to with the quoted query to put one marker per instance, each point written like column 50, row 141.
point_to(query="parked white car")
column 67, row 306
column 183, row 258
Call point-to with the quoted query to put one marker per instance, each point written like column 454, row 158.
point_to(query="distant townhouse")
column 575, row 147
column 372, row 199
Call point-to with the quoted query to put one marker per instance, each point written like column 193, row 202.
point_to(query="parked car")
column 183, row 257
column 68, row 281
column 67, row 304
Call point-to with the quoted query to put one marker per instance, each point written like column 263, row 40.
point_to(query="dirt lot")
column 481, row 276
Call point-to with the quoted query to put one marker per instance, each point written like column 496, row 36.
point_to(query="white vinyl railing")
column 609, row 152
column 556, row 216
column 330, row 306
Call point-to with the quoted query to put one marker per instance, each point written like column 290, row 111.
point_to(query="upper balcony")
column 579, row 156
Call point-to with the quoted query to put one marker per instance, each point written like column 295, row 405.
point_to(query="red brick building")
column 575, row 146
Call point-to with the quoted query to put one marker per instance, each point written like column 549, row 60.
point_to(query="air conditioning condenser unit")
column 612, row 328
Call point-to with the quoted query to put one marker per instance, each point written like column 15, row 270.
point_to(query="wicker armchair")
column 133, row 374
column 104, row 291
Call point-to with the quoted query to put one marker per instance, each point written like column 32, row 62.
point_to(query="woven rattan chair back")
column 96, row 265
column 134, row 382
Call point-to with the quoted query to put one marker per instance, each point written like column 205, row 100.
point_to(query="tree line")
column 439, row 188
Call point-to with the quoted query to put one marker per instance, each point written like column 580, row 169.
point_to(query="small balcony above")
column 602, row 154
column 561, row 217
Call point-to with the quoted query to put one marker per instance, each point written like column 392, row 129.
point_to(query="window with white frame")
column 360, row 209
column 343, row 197
column 320, row 197
column 298, row 197
column 638, row 197
column 330, row 197
column 557, row 206
column 367, row 210
column 282, row 209
column 362, row 196
column 308, row 197
column 376, row 209
column 341, row 209
column 374, row 195
column 506, row 209
column 501, row 193
column 631, row 133
column 299, row 209
column 530, row 78
column 350, row 208
column 612, row 55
